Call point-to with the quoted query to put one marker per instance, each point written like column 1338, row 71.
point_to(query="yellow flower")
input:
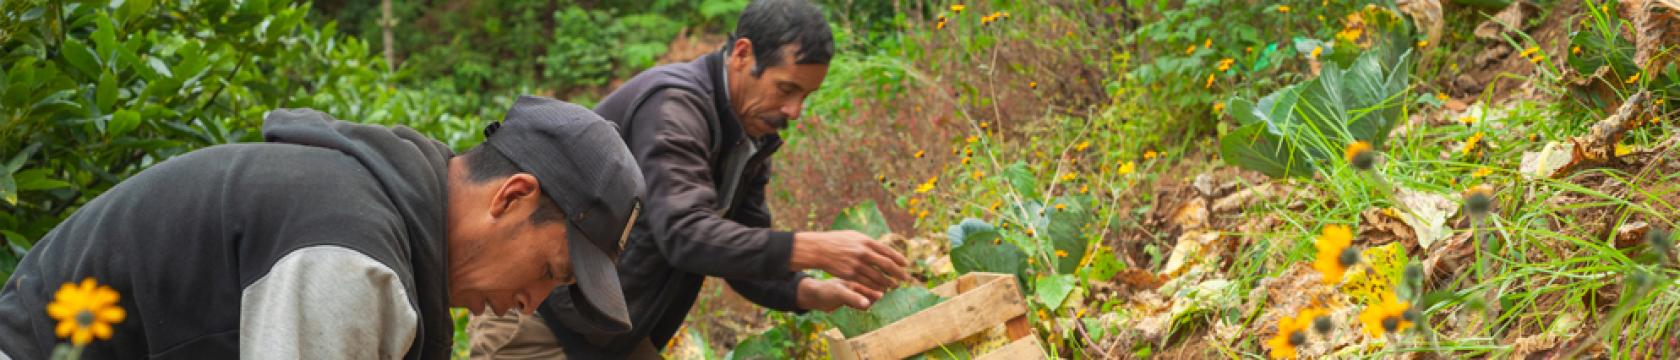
column 972, row 139
column 1442, row 96
column 1623, row 150
column 1283, row 8
column 1314, row 315
column 1359, row 155
column 1423, row 43
column 958, row 8
column 1190, row 50
column 1033, row 85
column 1082, row 146
column 928, row 186
column 1633, row 79
column 1126, row 168
column 880, row 178
column 996, row 204
column 1316, row 51
column 1470, row 144
column 1209, row 83
column 1335, row 254
column 965, row 160
column 1387, row 317
column 1482, row 172
column 1061, row 253
column 1219, row 107
column 940, row 25
column 1225, row 64
column 85, row 312
column 1350, row 34
column 1149, row 155
column 920, row 153
column 1070, row 176
column 1467, row 120
column 1530, row 51
column 1291, row 334
column 1575, row 50
column 1083, row 189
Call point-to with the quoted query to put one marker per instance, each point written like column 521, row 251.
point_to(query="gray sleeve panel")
column 326, row 302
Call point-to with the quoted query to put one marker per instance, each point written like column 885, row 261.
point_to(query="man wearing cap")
column 703, row 133
column 335, row 240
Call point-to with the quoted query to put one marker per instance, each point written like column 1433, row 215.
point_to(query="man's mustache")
column 778, row 122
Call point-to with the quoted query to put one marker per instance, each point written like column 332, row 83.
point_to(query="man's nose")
column 791, row 111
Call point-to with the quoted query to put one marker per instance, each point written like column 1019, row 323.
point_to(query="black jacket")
column 233, row 238
column 705, row 213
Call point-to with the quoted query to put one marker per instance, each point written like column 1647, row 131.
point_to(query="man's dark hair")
column 484, row 164
column 772, row 25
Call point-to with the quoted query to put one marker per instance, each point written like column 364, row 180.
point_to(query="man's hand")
column 849, row 255
column 827, row 295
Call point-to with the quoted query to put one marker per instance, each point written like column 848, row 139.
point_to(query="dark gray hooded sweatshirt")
column 325, row 242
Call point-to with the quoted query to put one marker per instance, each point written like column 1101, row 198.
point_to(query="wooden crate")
column 974, row 303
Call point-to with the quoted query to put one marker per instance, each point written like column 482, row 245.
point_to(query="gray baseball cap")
column 581, row 162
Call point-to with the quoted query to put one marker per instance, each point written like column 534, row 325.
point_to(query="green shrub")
column 92, row 93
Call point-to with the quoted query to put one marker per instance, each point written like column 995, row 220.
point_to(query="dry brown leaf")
column 1139, row 279
column 1658, row 32
column 1426, row 14
column 1426, row 213
column 1550, row 161
column 1631, row 234
column 1190, row 215
column 1450, row 257
column 1509, row 19
column 1598, row 147
column 1383, row 225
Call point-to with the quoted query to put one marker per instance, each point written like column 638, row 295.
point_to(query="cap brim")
column 598, row 299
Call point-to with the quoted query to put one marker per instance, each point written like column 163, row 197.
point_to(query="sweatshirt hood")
column 413, row 170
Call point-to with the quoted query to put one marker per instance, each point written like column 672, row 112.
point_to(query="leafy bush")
column 1289, row 132
column 94, row 92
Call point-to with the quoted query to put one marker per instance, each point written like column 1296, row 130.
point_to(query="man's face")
column 497, row 257
column 768, row 101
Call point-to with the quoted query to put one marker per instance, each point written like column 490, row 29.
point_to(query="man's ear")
column 521, row 189
column 741, row 55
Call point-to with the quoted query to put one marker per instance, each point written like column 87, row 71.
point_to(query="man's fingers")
column 871, row 294
column 857, row 300
column 891, row 254
column 868, row 275
column 887, row 266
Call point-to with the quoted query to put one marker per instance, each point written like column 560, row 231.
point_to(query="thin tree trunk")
column 387, row 22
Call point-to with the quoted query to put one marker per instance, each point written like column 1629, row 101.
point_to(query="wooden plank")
column 988, row 304
column 838, row 347
column 1025, row 348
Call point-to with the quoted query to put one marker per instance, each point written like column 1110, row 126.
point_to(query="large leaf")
column 770, row 344
column 969, row 230
column 865, row 218
column 1021, row 179
column 1052, row 290
column 894, row 305
column 1070, row 220
column 1290, row 132
column 995, row 256
column 1254, row 148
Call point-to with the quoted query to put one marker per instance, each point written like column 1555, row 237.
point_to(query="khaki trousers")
column 524, row 337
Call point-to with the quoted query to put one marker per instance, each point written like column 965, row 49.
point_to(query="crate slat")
column 974, row 303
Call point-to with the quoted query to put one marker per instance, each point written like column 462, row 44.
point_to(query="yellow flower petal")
column 111, row 315
column 102, row 330
column 81, row 336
